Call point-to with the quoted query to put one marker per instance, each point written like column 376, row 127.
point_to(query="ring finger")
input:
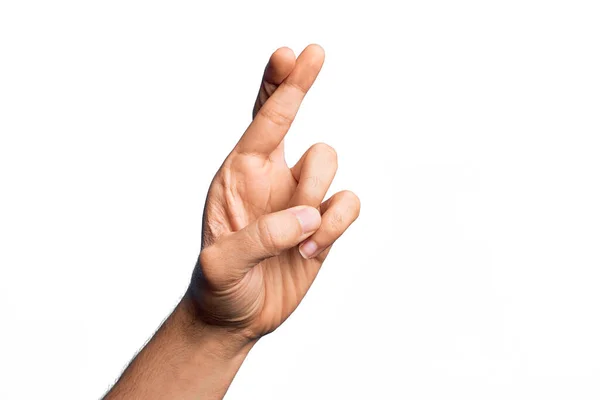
column 338, row 213
column 314, row 174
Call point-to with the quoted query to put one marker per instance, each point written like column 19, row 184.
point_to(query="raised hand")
column 266, row 228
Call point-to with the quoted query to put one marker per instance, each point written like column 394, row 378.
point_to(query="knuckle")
column 312, row 182
column 295, row 86
column 336, row 222
column 268, row 240
column 276, row 115
column 210, row 269
column 207, row 257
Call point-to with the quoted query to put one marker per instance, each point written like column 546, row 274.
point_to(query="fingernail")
column 308, row 249
column 309, row 218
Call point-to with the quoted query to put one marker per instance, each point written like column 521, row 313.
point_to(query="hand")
column 266, row 229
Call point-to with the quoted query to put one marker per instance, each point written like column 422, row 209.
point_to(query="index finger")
column 275, row 117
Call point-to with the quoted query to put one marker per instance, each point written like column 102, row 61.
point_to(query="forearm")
column 184, row 360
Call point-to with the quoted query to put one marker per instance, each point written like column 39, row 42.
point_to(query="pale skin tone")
column 267, row 230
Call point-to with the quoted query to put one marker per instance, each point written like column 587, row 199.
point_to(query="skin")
column 266, row 232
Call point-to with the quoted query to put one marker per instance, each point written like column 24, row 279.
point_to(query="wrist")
column 224, row 342
column 185, row 357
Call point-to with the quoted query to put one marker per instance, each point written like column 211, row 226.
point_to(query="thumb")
column 266, row 237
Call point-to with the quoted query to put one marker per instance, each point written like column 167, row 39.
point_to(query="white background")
column 468, row 128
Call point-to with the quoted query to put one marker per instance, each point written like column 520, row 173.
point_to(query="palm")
column 255, row 181
column 261, row 188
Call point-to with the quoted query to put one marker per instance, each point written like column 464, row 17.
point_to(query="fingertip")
column 316, row 52
column 316, row 48
column 308, row 249
column 280, row 65
column 285, row 53
column 308, row 66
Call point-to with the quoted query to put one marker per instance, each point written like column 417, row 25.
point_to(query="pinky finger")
column 339, row 212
